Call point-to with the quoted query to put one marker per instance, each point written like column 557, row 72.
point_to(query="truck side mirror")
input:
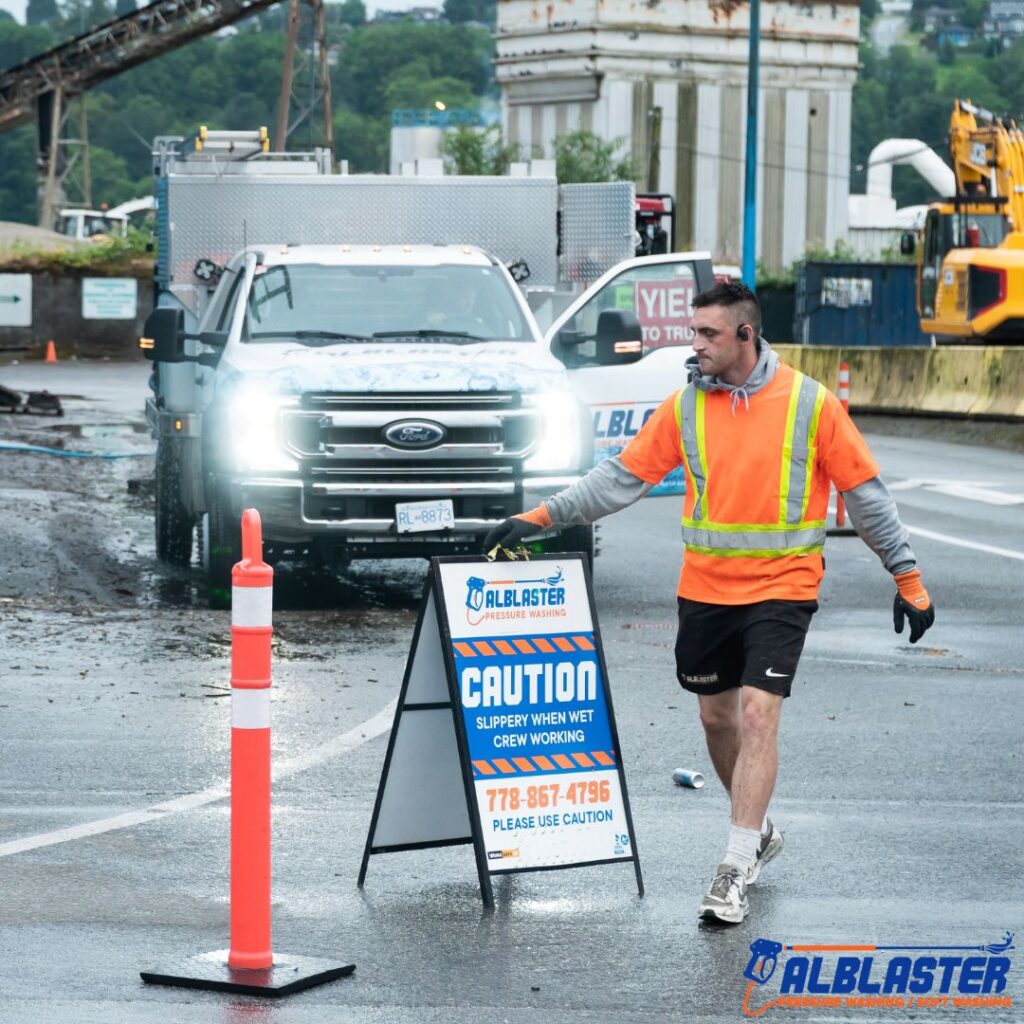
column 620, row 338
column 164, row 339
column 907, row 243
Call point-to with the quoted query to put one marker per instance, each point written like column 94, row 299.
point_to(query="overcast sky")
column 17, row 7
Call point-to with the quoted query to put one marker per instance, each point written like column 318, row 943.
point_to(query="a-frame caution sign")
column 504, row 734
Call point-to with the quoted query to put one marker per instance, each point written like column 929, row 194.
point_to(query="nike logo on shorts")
column 776, row 675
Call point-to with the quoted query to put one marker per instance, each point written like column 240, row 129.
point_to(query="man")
column 760, row 445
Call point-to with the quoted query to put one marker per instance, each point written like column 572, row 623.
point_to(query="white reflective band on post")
column 250, row 709
column 251, row 606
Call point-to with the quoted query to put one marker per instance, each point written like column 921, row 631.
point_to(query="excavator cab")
column 961, row 225
column 970, row 282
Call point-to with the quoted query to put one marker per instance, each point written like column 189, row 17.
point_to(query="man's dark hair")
column 733, row 294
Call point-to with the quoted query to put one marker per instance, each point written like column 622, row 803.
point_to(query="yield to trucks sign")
column 516, row 751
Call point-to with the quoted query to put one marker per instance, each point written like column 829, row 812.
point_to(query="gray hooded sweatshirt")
column 610, row 486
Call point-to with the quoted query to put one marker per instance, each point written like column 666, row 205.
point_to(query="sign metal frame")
column 434, row 598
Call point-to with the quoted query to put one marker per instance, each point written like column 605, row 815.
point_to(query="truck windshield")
column 324, row 305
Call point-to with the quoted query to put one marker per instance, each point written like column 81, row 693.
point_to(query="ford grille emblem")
column 414, row 434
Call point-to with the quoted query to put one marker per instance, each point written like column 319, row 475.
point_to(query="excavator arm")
column 971, row 262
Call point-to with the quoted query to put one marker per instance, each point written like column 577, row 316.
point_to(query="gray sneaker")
column 771, row 846
column 726, row 900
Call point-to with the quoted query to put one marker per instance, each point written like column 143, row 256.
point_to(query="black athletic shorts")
column 722, row 646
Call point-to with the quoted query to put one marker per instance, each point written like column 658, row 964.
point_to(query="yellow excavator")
column 970, row 267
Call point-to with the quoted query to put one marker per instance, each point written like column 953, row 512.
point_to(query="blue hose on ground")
column 38, row 450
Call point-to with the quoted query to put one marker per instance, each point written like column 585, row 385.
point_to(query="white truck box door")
column 660, row 290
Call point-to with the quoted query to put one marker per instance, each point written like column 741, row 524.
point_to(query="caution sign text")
column 534, row 707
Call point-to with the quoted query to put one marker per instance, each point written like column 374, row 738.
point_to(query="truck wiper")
column 428, row 333
column 305, row 335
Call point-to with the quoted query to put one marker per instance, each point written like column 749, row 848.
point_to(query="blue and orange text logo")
column 878, row 977
column 512, row 598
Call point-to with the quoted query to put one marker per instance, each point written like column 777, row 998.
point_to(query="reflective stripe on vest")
column 792, row 534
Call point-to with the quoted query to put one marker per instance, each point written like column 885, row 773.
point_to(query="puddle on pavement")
column 367, row 587
column 94, row 431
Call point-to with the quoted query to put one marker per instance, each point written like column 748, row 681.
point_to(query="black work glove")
column 913, row 603
column 508, row 533
column 919, row 620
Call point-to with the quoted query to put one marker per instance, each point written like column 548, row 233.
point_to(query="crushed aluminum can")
column 688, row 778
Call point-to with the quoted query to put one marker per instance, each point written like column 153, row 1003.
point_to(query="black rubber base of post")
column 210, row 971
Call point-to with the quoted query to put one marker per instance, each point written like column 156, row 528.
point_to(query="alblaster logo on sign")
column 509, row 599
column 878, row 977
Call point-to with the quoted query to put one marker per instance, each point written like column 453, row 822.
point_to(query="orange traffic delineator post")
column 51, row 352
column 843, row 393
column 249, row 965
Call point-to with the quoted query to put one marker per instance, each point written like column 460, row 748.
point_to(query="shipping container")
column 854, row 303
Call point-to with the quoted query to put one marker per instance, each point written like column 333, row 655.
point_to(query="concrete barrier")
column 951, row 380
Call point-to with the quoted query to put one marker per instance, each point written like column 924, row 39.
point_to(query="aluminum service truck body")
column 351, row 355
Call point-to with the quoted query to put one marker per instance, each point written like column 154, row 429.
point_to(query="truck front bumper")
column 297, row 512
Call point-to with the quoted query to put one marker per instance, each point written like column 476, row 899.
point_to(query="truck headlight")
column 255, row 438
column 558, row 444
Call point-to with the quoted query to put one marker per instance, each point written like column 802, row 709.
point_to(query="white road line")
column 364, row 732
column 959, row 542
column 945, row 538
column 986, row 491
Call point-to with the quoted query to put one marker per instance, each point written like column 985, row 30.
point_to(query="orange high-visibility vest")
column 792, row 533
column 757, row 484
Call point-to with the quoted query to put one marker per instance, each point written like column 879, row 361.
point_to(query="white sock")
column 741, row 848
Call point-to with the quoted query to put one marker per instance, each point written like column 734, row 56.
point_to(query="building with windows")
column 668, row 77
column 1004, row 21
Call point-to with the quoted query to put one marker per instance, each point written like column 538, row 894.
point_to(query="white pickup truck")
column 390, row 400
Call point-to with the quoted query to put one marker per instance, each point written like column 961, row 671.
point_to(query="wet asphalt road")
column 899, row 792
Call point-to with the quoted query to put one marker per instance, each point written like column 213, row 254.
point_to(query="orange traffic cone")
column 51, row 352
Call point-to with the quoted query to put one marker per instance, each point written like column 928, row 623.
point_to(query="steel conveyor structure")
column 39, row 88
column 108, row 49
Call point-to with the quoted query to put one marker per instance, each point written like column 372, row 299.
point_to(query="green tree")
column 457, row 11
column 99, row 11
column 1008, row 69
column 41, row 12
column 17, row 175
column 375, row 54
column 972, row 12
column 582, row 156
column 967, row 80
column 411, row 90
column 352, row 12
column 18, row 43
column 478, row 150
column 123, row 7
column 362, row 141
column 245, row 111
column 111, row 182
column 947, row 52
